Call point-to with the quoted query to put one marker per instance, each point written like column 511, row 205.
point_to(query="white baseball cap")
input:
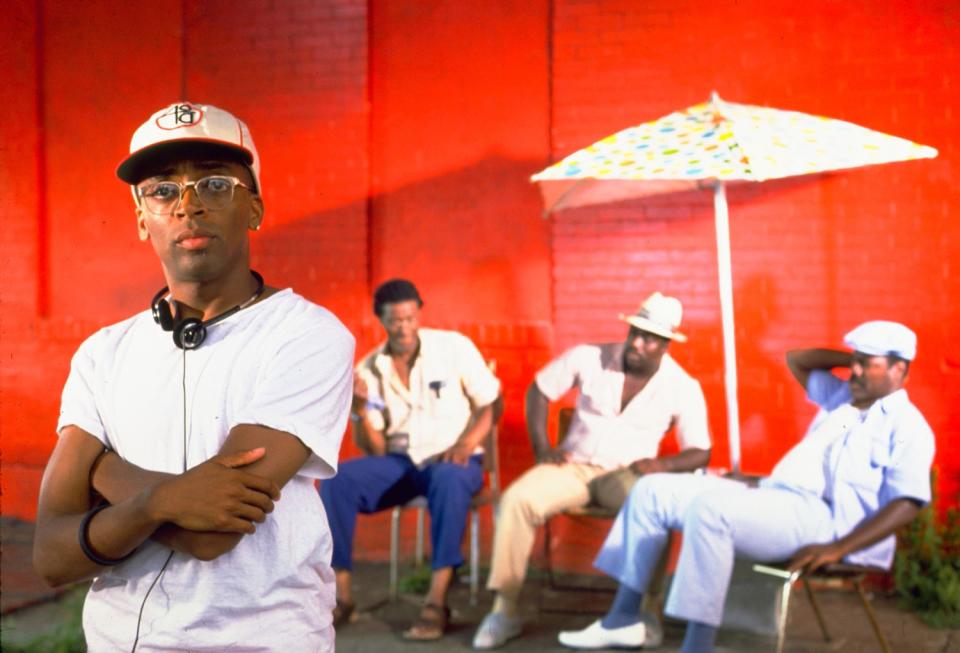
column 658, row 314
column 186, row 123
column 883, row 338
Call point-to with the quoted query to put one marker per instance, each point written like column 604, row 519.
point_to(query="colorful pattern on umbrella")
column 728, row 141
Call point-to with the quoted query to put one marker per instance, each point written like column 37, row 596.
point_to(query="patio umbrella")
column 705, row 146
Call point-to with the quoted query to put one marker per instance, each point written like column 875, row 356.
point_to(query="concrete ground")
column 30, row 610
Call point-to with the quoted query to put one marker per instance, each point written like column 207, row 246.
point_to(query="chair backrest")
column 564, row 417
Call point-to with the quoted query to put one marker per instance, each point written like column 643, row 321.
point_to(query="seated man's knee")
column 654, row 489
column 454, row 476
column 707, row 510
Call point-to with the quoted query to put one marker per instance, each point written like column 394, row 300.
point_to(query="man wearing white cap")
column 164, row 485
column 861, row 472
column 630, row 395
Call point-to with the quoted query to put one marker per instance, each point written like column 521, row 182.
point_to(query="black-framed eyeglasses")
column 214, row 192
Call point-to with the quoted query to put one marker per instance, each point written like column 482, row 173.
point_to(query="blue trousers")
column 375, row 483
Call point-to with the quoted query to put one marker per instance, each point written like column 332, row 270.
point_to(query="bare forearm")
column 537, row 406
column 65, row 497
column 118, row 480
column 202, row 545
column 686, row 461
column 371, row 441
column 112, row 534
column 887, row 521
column 477, row 428
column 803, row 361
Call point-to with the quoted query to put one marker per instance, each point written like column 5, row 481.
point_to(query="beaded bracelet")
column 84, row 537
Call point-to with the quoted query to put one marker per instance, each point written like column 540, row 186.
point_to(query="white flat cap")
column 883, row 338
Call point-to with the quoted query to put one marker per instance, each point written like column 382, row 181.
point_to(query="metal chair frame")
column 854, row 573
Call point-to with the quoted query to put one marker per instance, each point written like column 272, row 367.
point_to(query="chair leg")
column 474, row 555
column 865, row 600
column 811, row 596
column 784, row 608
column 418, row 553
column 394, row 551
column 546, row 554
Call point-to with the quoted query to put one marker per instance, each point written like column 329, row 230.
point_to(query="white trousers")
column 720, row 519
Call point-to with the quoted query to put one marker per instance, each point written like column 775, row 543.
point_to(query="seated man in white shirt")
column 423, row 402
column 861, row 472
column 630, row 395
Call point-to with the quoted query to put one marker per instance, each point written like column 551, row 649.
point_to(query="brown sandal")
column 430, row 625
column 343, row 614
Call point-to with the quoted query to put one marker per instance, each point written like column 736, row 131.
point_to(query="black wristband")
column 84, row 537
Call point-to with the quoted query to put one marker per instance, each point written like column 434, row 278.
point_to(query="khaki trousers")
column 543, row 491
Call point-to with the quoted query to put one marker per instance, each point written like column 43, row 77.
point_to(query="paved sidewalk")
column 30, row 609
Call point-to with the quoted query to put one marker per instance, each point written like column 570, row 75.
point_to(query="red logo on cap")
column 180, row 115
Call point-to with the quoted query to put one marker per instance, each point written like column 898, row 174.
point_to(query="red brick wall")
column 397, row 139
column 812, row 256
column 87, row 75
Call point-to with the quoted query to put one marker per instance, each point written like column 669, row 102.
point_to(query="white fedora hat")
column 658, row 314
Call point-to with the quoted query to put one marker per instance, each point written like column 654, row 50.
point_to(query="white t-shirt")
column 284, row 363
column 448, row 379
column 600, row 433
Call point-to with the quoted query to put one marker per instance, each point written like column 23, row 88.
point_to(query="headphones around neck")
column 191, row 332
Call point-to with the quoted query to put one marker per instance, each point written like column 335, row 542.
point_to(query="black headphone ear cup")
column 163, row 315
column 189, row 334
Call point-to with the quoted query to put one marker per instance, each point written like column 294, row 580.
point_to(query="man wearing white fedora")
column 631, row 394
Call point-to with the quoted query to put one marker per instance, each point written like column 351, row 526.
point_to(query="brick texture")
column 397, row 139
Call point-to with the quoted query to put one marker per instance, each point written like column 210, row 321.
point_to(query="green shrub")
column 926, row 570
column 64, row 637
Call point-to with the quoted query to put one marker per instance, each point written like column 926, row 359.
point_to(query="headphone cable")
column 143, row 604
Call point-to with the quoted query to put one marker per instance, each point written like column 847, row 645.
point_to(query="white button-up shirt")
column 859, row 461
column 600, row 433
column 448, row 380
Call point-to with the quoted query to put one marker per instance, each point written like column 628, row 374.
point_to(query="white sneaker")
column 495, row 630
column 595, row 636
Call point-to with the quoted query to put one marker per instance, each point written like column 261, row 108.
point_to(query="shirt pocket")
column 864, row 467
column 444, row 395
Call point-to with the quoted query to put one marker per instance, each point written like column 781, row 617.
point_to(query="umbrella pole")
column 725, row 279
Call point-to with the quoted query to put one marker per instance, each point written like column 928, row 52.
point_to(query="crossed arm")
column 203, row 512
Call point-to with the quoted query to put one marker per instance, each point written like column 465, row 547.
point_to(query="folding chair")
column 489, row 495
column 854, row 573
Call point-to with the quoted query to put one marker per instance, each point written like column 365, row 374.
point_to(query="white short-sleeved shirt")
column 600, row 433
column 448, row 380
column 284, row 363
column 859, row 460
